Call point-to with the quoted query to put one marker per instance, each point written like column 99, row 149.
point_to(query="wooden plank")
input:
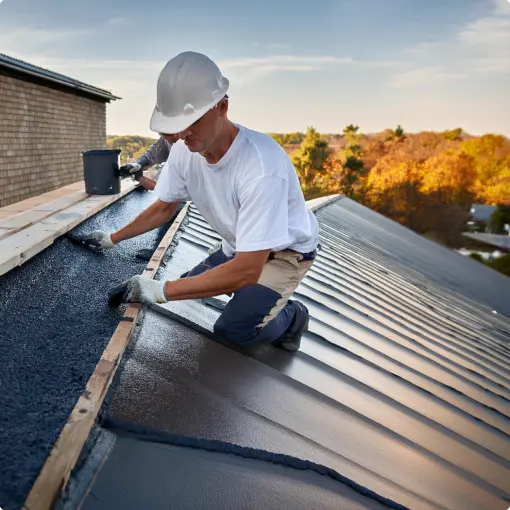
column 5, row 214
column 25, row 219
column 30, row 203
column 21, row 246
column 53, row 478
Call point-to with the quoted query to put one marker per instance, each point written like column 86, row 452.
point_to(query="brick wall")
column 42, row 133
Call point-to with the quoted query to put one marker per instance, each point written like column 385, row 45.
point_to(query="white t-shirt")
column 251, row 197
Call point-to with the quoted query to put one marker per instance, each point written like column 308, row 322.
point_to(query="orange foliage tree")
column 426, row 181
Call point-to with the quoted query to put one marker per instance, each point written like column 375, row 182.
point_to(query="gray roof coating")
column 191, row 479
column 52, row 77
column 401, row 385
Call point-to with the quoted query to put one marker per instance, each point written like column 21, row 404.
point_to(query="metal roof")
column 401, row 385
column 497, row 240
column 52, row 77
column 482, row 212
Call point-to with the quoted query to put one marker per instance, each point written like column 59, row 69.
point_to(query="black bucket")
column 101, row 172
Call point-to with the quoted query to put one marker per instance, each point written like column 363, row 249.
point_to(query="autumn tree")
column 343, row 171
column 449, row 178
column 286, row 139
column 131, row 146
column 453, row 134
column 394, row 191
column 491, row 155
column 394, row 134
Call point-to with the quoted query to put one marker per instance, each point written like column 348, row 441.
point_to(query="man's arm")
column 158, row 213
column 158, row 152
column 147, row 183
column 245, row 269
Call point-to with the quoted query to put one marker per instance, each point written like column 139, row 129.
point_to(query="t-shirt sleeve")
column 171, row 186
column 263, row 215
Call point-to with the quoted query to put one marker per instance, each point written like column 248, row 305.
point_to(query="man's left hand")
column 138, row 289
column 134, row 170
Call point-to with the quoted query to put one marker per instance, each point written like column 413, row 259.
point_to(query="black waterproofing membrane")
column 54, row 325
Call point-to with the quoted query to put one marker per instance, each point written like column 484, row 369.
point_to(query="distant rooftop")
column 497, row 240
column 482, row 212
column 14, row 64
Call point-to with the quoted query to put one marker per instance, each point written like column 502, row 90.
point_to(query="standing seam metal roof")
column 401, row 383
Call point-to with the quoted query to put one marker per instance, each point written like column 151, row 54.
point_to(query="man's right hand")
column 99, row 240
column 134, row 170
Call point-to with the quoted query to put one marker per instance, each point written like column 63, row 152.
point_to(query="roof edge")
column 318, row 203
column 47, row 75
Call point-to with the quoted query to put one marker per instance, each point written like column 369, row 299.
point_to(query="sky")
column 423, row 64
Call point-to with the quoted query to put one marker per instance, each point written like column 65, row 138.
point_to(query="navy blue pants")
column 257, row 313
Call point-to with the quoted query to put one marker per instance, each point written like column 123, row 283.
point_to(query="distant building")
column 46, row 121
column 496, row 240
column 481, row 214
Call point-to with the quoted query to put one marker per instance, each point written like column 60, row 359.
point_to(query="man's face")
column 203, row 133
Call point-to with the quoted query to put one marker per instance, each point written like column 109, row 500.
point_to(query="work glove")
column 138, row 289
column 134, row 170
column 98, row 240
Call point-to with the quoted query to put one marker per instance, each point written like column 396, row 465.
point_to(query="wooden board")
column 30, row 203
column 24, row 219
column 18, row 247
column 53, row 478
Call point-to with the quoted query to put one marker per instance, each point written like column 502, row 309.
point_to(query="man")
column 246, row 188
column 156, row 153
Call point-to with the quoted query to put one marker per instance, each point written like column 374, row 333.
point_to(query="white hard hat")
column 189, row 85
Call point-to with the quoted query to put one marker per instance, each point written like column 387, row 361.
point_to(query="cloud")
column 121, row 21
column 501, row 7
column 253, row 68
column 479, row 47
column 272, row 46
column 485, row 33
column 431, row 75
column 26, row 39
column 283, row 62
column 424, row 48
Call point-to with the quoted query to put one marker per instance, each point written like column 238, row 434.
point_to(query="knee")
column 229, row 332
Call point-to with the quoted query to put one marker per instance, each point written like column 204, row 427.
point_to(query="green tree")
column 350, row 130
column 352, row 164
column 343, row 171
column 309, row 160
column 453, row 134
column 501, row 264
column 500, row 217
column 476, row 256
column 399, row 131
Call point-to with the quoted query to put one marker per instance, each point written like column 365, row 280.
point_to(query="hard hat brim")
column 172, row 125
